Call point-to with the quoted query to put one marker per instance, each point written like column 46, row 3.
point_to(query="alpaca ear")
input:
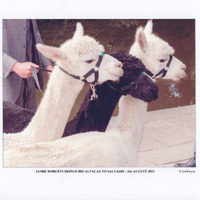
column 149, row 27
column 53, row 53
column 79, row 30
column 101, row 48
column 141, row 39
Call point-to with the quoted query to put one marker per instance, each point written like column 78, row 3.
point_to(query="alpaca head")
column 80, row 54
column 134, row 81
column 156, row 53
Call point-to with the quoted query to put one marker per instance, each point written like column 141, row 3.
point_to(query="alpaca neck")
column 94, row 115
column 108, row 99
column 131, row 118
column 54, row 110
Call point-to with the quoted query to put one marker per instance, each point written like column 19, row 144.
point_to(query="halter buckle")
column 94, row 94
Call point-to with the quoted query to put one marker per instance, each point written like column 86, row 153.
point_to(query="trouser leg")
column 190, row 163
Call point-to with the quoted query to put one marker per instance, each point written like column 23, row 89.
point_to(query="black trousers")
column 27, row 97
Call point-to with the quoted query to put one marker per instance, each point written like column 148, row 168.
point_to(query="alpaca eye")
column 89, row 61
column 162, row 60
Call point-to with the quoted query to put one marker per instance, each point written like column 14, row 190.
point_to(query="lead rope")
column 93, row 97
column 33, row 70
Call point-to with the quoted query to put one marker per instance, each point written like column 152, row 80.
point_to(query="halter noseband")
column 163, row 71
column 95, row 71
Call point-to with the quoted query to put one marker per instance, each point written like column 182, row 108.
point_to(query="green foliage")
column 108, row 32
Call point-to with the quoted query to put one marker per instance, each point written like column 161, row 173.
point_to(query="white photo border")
column 167, row 183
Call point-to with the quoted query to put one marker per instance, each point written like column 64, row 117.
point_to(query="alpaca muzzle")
column 143, row 88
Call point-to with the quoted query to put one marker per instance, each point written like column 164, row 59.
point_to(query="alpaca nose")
column 119, row 64
column 183, row 67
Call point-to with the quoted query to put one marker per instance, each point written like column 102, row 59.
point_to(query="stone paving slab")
column 168, row 155
column 171, row 113
column 168, row 133
column 148, row 143
column 169, row 137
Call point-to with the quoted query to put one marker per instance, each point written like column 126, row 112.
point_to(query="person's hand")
column 24, row 69
column 49, row 68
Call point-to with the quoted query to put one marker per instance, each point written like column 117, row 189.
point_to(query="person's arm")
column 8, row 63
column 22, row 69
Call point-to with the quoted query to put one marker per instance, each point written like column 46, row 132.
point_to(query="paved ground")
column 169, row 137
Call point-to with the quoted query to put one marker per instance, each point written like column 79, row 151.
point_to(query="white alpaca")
column 77, row 56
column 155, row 55
column 117, row 147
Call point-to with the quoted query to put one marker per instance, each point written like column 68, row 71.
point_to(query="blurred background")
column 119, row 34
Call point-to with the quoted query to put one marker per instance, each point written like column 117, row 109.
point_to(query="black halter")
column 132, row 85
column 94, row 70
column 162, row 72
